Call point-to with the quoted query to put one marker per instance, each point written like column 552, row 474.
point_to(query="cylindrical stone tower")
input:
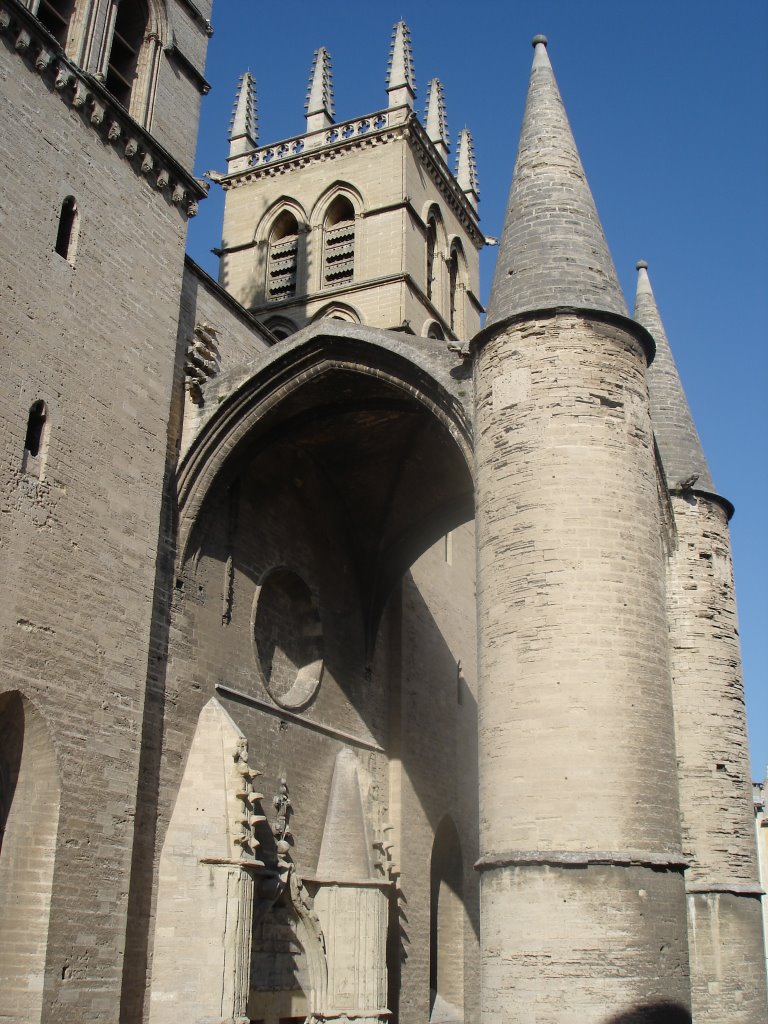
column 583, row 916
column 728, row 979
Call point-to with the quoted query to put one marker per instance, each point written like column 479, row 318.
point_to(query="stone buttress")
column 724, row 925
column 583, row 916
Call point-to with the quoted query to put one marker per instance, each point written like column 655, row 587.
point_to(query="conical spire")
column 344, row 847
column 401, row 83
column 244, row 127
column 435, row 117
column 552, row 250
column 466, row 168
column 681, row 452
column 319, row 104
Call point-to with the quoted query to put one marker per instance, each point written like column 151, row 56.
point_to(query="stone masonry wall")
column 727, row 975
column 95, row 339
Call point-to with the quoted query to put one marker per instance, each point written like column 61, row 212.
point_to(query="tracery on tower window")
column 431, row 248
column 130, row 54
column 283, row 257
column 129, row 25
column 339, row 243
column 456, row 287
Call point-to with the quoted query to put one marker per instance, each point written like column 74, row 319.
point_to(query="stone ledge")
column 88, row 96
column 671, row 861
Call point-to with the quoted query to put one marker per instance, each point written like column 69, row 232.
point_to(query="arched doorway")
column 446, row 933
column 29, row 814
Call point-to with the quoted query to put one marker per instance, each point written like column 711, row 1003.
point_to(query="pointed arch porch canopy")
column 387, row 425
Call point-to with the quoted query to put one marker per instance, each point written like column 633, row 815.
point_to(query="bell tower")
column 359, row 220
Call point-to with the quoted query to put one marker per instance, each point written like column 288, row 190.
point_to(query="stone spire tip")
column 320, row 105
column 401, row 81
column 641, row 265
column 539, row 39
column 436, row 119
column 466, row 167
column 244, row 125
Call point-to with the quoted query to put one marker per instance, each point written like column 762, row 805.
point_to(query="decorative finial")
column 641, row 265
column 539, row 39
column 401, row 82
column 435, row 117
column 319, row 105
column 466, row 167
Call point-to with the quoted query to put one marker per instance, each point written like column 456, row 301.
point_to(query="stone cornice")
column 98, row 109
column 672, row 860
column 373, row 129
column 445, row 181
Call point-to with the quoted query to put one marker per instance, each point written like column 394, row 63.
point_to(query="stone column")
column 583, row 917
column 725, row 928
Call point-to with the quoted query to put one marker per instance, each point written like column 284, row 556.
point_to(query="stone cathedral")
column 365, row 658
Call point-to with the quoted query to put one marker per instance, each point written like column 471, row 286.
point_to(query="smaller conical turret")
column 681, row 451
column 466, row 168
column 344, row 854
column 552, row 252
column 244, row 127
column 319, row 104
column 435, row 117
column 401, row 83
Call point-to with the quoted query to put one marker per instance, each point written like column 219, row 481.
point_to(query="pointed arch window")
column 283, row 257
column 339, row 243
column 35, row 439
column 56, row 15
column 129, row 20
column 68, row 230
column 453, row 287
column 431, row 250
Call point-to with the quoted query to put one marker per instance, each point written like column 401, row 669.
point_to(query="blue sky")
column 670, row 112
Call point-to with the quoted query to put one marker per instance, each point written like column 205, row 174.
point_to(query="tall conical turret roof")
column 552, row 251
column 681, row 452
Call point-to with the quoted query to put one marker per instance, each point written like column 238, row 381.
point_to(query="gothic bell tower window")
column 55, row 15
column 431, row 249
column 283, row 258
column 339, row 243
column 130, row 19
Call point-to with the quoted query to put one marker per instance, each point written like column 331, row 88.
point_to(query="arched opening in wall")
column 431, row 251
column 339, row 243
column 129, row 20
column 446, row 927
column 35, row 439
column 435, row 331
column 283, row 258
column 338, row 311
column 281, row 981
column 454, row 270
column 68, row 230
column 29, row 814
column 280, row 327
column 288, row 639
column 56, row 15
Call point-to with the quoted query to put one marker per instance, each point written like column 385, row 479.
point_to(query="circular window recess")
column 288, row 639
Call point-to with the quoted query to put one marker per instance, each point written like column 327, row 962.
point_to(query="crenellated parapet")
column 98, row 110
